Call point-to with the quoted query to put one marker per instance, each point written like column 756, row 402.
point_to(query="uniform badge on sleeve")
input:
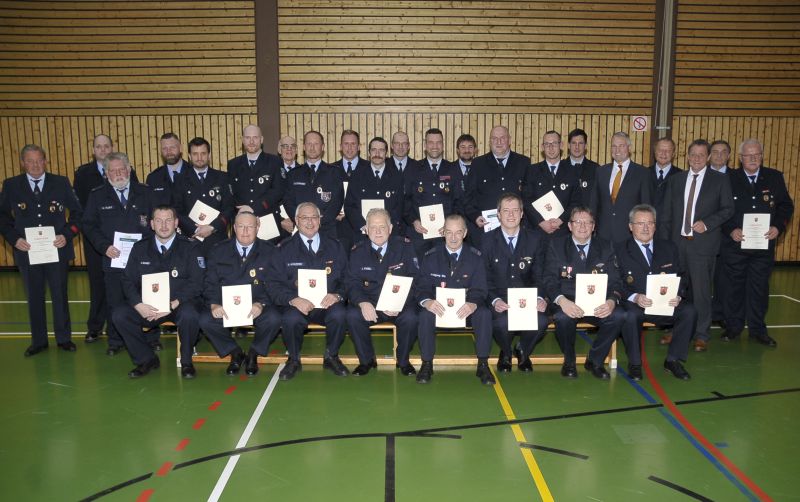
column 201, row 262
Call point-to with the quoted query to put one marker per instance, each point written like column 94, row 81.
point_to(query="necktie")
column 648, row 253
column 244, row 253
column 313, row 168
column 102, row 172
column 687, row 216
column 453, row 259
column 163, row 249
column 379, row 254
column 310, row 249
column 752, row 179
column 466, row 169
column 500, row 162
column 349, row 167
column 202, row 176
column 377, row 174
column 582, row 252
column 511, row 244
column 400, row 166
column 252, row 163
column 434, row 166
column 122, row 199
column 36, row 189
column 617, row 183
column 553, row 171
column 660, row 175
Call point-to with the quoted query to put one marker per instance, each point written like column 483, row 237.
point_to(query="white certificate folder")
column 661, row 288
column 42, row 248
column 394, row 293
column 451, row 299
column 522, row 313
column 432, row 218
column 548, row 206
column 237, row 301
column 155, row 290
column 754, row 227
column 312, row 285
column 590, row 291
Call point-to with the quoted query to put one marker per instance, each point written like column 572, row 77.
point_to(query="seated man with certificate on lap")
column 651, row 273
column 379, row 276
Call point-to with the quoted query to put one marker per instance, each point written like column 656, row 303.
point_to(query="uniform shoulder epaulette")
column 475, row 250
column 97, row 188
column 431, row 251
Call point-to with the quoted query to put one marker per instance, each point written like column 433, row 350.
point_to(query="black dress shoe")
column 729, row 337
column 504, row 362
column 765, row 339
column 34, row 349
column 290, row 369
column 157, row 346
column 93, row 336
column 334, row 364
column 67, row 346
column 407, row 369
column 363, row 369
column 425, row 372
column 187, row 371
column 635, row 372
column 569, row 371
column 251, row 363
column 113, row 351
column 597, row 371
column 485, row 374
column 237, row 358
column 145, row 368
column 677, row 370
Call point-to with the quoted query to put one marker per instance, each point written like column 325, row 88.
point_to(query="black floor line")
column 679, row 488
column 554, row 450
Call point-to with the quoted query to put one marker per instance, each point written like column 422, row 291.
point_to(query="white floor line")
column 47, row 301
column 251, row 425
column 787, row 297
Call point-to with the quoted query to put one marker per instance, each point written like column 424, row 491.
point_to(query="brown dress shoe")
column 666, row 339
column 700, row 345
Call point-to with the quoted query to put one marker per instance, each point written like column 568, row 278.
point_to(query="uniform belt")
column 688, row 237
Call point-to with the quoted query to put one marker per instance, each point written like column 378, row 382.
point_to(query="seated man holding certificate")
column 235, row 291
column 306, row 281
column 452, row 287
column 514, row 258
column 580, row 274
column 379, row 276
column 162, row 281
column 652, row 290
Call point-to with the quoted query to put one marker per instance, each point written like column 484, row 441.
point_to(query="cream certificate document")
column 394, row 293
column 661, row 288
column 522, row 313
column 267, row 228
column 312, row 285
column 432, row 218
column 124, row 243
column 42, row 249
column 202, row 214
column 548, row 206
column 237, row 301
column 367, row 204
column 590, row 291
column 155, row 290
column 492, row 222
column 451, row 299
column 754, row 226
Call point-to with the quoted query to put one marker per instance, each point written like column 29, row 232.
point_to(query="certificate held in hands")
column 522, row 312
column 202, row 214
column 155, row 291
column 267, row 228
column 42, row 248
column 492, row 221
column 237, row 301
column 754, row 229
column 394, row 293
column 312, row 285
column 590, row 291
column 432, row 218
column 661, row 288
column 548, row 206
column 367, row 204
column 451, row 299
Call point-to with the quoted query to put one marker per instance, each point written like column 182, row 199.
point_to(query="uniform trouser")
column 406, row 323
column 481, row 326
column 34, row 278
column 98, row 312
column 609, row 331
column 528, row 339
column 266, row 330
column 683, row 320
column 294, row 325
column 747, row 297
column 720, row 289
column 701, row 278
column 130, row 325
column 114, row 298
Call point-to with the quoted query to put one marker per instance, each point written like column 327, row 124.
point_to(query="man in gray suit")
column 697, row 202
column 619, row 186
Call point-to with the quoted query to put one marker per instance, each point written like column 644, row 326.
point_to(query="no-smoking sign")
column 640, row 123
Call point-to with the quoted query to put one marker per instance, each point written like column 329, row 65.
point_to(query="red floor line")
column 242, row 377
column 199, row 423
column 214, row 405
column 230, row 389
column 145, row 495
column 164, row 469
column 697, row 435
column 184, row 442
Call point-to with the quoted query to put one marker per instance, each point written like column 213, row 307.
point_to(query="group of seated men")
column 607, row 225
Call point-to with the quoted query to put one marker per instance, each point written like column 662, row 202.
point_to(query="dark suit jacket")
column 325, row 189
column 633, row 267
column 87, row 178
column 588, row 169
column 660, row 188
column 364, row 185
column 214, row 191
column 714, row 206
column 226, row 268
column 612, row 219
column 359, row 163
column 469, row 273
column 423, row 188
column 365, row 274
column 566, row 185
column 261, row 187
column 522, row 269
column 562, row 263
column 485, row 182
column 162, row 185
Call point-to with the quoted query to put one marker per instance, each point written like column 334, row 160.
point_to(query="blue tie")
column 122, row 199
column 511, row 244
column 581, row 251
column 648, row 253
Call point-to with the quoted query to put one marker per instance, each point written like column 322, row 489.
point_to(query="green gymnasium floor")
column 75, row 427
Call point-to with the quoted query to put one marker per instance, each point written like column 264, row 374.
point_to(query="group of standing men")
column 620, row 219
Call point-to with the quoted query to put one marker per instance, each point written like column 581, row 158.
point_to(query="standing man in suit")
column 620, row 185
column 756, row 189
column 581, row 253
column 400, row 149
column 696, row 204
column 720, row 154
column 497, row 172
column 379, row 181
column 162, row 179
column 641, row 256
column 588, row 168
column 514, row 257
column 662, row 170
column 207, row 185
column 552, row 174
column 466, row 147
column 351, row 161
column 121, row 205
column 36, row 199
column 454, row 264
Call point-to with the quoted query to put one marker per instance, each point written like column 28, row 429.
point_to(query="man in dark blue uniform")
column 580, row 253
column 370, row 261
column 756, row 189
column 40, row 199
column 637, row 258
column 400, row 148
column 308, row 249
column 318, row 183
column 587, row 168
column 514, row 258
column 433, row 180
column 454, row 264
column 210, row 186
column 241, row 260
column 162, row 180
column 166, row 251
column 378, row 181
column 124, row 206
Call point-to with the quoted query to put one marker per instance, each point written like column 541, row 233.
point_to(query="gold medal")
column 629, row 279
column 328, row 270
column 419, row 189
column 174, row 272
column 252, row 272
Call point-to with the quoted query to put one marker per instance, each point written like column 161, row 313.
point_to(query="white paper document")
column 661, row 288
column 284, row 215
column 312, row 285
column 590, row 291
column 237, row 301
column 432, row 218
column 267, row 228
column 522, row 313
column 394, row 293
column 345, row 184
column 42, row 249
column 202, row 214
column 451, row 299
column 155, row 290
column 367, row 204
column 754, row 226
column 548, row 206
column 492, row 221
column 124, row 243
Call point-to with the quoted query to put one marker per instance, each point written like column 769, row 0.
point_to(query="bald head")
column 252, row 139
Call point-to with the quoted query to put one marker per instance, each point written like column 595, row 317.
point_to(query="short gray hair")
column 31, row 148
column 304, row 205
column 121, row 157
column 641, row 208
column 748, row 142
column 376, row 212
column 623, row 135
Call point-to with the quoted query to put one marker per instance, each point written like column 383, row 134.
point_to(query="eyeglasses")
column 582, row 223
column 307, row 218
column 292, row 146
column 642, row 224
column 550, row 144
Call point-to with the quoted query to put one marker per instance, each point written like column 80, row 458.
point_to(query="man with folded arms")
column 370, row 261
column 639, row 257
column 243, row 259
